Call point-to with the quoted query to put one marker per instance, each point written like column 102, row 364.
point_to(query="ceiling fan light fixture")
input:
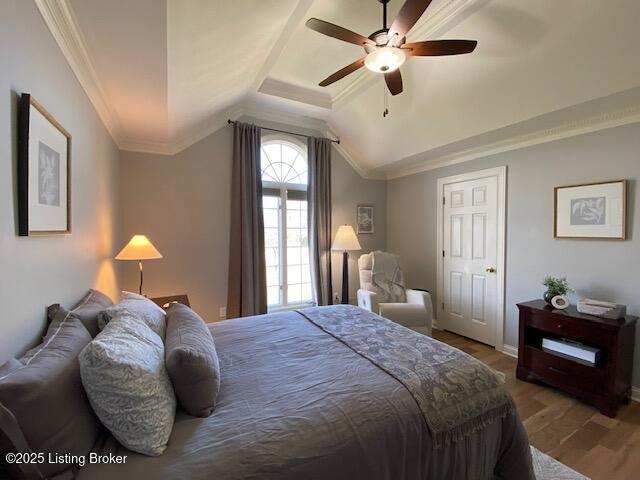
column 385, row 59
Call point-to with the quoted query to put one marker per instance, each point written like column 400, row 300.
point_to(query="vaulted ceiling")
column 165, row 73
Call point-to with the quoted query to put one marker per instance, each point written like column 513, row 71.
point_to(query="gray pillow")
column 192, row 361
column 9, row 366
column 43, row 407
column 87, row 310
column 124, row 374
column 149, row 312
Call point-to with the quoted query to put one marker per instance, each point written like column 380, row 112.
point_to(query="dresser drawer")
column 560, row 371
column 568, row 328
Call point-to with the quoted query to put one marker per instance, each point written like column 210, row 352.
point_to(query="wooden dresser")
column 604, row 385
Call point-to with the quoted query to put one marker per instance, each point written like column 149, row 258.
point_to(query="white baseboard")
column 509, row 350
column 635, row 394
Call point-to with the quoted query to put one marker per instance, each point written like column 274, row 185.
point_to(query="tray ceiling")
column 165, row 73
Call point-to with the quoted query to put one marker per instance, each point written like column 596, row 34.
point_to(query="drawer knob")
column 559, row 325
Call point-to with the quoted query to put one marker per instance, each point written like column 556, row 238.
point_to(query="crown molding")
column 155, row 148
column 212, row 125
column 330, row 133
column 260, row 112
column 58, row 16
column 253, row 110
column 582, row 126
column 435, row 22
column 278, row 88
column 219, row 120
column 203, row 130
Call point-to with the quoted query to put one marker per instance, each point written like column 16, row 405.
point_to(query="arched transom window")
column 284, row 168
column 283, row 162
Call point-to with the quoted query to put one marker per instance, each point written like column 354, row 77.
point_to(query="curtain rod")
column 337, row 140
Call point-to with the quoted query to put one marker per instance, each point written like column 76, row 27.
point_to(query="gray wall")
column 182, row 203
column 602, row 269
column 349, row 190
column 44, row 270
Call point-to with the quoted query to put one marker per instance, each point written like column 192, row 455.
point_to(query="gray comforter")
column 298, row 403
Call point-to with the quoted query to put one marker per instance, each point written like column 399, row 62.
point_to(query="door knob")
column 490, row 270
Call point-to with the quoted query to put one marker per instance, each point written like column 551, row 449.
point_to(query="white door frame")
column 501, row 174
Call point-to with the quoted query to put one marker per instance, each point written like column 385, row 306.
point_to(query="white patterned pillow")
column 152, row 314
column 124, row 375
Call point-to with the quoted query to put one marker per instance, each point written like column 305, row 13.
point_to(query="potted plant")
column 555, row 286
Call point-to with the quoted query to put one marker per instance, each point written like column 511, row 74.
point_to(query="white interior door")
column 470, row 258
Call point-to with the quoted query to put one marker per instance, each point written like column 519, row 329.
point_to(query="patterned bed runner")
column 456, row 393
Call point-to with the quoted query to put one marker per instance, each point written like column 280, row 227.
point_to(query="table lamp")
column 139, row 248
column 345, row 240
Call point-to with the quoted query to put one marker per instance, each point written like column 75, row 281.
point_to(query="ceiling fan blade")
column 434, row 48
column 407, row 17
column 338, row 32
column 343, row 72
column 394, row 82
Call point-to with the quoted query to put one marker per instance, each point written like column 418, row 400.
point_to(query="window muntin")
column 284, row 177
column 283, row 163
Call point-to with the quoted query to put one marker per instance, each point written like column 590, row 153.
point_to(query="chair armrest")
column 368, row 300
column 418, row 296
column 421, row 297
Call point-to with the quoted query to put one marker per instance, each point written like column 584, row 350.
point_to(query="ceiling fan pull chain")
column 385, row 101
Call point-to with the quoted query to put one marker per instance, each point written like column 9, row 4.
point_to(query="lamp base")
column 141, row 278
column 345, row 278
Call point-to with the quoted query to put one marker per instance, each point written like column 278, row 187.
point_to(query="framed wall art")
column 365, row 219
column 44, row 172
column 592, row 210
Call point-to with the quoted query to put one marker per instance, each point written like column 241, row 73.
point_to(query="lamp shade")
column 346, row 239
column 138, row 248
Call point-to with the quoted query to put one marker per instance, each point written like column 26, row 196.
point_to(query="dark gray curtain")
column 319, row 216
column 247, row 294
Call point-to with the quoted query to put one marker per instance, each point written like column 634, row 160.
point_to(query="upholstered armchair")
column 416, row 312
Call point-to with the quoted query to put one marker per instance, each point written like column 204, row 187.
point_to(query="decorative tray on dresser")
column 604, row 384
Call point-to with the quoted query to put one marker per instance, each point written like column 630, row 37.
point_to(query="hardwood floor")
column 563, row 427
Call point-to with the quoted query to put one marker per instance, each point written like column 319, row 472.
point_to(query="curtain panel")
column 247, row 294
column 319, row 217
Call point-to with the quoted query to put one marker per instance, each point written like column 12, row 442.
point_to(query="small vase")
column 548, row 296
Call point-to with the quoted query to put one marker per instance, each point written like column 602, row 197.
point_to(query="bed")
column 303, row 397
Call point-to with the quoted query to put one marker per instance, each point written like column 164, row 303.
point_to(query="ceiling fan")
column 387, row 48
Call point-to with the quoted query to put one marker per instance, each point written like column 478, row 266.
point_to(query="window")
column 284, row 181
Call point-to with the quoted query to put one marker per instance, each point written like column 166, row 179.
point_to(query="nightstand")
column 605, row 384
column 164, row 302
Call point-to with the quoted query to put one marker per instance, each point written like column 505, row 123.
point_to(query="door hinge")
column 443, row 253
column 444, row 200
column 443, row 305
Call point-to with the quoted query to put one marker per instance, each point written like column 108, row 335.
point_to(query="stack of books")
column 602, row 309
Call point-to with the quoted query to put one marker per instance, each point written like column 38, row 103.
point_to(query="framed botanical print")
column 365, row 219
column 44, row 172
column 592, row 210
